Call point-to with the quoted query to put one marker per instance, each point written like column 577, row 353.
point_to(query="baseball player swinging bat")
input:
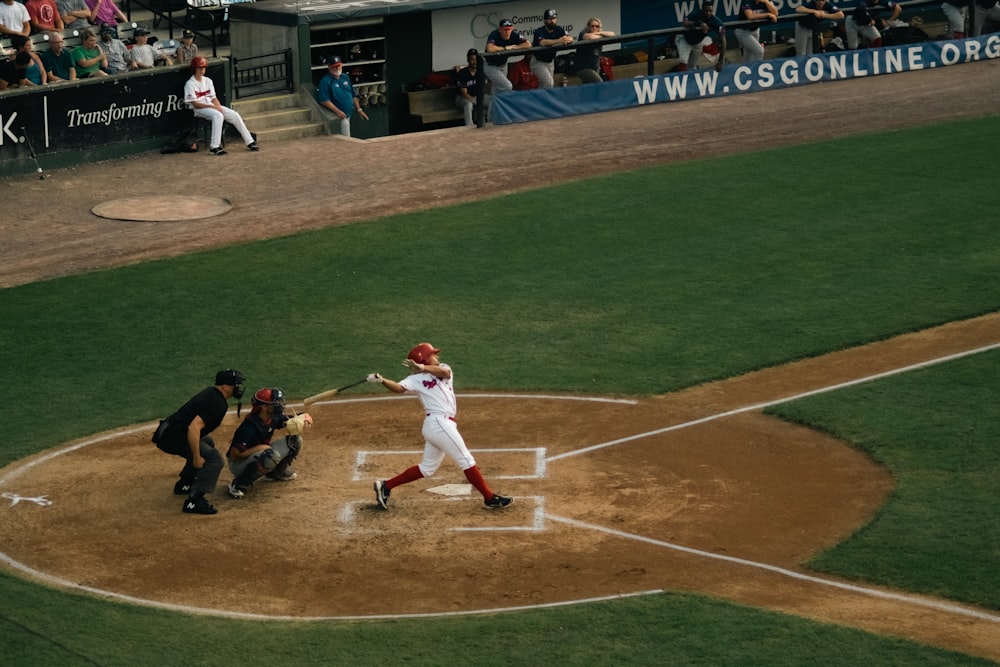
column 332, row 392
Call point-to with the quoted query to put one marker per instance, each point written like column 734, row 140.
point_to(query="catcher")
column 252, row 455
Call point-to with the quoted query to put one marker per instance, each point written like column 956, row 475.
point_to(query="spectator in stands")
column 187, row 51
column 468, row 87
column 89, row 59
column 816, row 15
column 550, row 34
column 44, row 15
column 763, row 12
column 337, row 94
column 35, row 71
column 587, row 64
column 503, row 39
column 75, row 14
column 861, row 22
column 105, row 12
column 985, row 17
column 199, row 95
column 58, row 61
column 701, row 24
column 14, row 19
column 957, row 13
column 115, row 50
column 13, row 70
column 142, row 54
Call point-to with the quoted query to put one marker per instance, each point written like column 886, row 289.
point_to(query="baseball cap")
column 107, row 27
column 139, row 32
column 550, row 14
column 187, row 33
column 332, row 60
column 506, row 23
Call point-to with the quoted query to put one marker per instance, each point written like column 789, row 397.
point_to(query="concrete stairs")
column 277, row 117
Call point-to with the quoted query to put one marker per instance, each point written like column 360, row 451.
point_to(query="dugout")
column 386, row 45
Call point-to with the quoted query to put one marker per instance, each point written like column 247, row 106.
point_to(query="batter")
column 432, row 382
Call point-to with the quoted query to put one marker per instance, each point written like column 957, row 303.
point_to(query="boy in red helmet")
column 199, row 95
column 431, row 380
column 252, row 455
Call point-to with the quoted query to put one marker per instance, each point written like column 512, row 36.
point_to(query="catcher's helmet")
column 422, row 352
column 270, row 396
column 233, row 378
column 198, row 61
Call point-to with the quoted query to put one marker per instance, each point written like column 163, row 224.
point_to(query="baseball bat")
column 332, row 392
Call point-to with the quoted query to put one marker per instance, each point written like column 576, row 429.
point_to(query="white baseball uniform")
column 440, row 429
column 204, row 91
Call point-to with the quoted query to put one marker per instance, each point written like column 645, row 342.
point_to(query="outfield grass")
column 658, row 280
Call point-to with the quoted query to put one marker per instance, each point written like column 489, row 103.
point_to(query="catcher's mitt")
column 298, row 423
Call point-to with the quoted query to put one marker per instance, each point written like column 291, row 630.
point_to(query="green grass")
column 638, row 283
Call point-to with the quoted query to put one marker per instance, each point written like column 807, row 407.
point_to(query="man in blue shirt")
column 336, row 93
column 699, row 24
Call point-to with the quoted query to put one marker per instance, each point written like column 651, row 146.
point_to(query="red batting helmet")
column 198, row 61
column 422, row 352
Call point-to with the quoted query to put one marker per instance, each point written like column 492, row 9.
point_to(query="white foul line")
column 873, row 592
column 777, row 401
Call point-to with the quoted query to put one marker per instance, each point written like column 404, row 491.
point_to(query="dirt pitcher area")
column 694, row 491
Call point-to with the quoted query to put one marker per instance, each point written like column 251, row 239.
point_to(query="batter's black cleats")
column 253, row 147
column 198, row 506
column 498, row 502
column 381, row 494
column 218, row 150
column 182, row 488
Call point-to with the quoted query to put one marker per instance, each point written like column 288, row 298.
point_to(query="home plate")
column 452, row 490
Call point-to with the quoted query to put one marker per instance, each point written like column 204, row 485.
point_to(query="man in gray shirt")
column 116, row 51
column 74, row 13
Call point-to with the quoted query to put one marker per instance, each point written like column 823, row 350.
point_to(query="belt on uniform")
column 438, row 413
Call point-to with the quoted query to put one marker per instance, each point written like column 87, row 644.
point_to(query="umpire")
column 186, row 434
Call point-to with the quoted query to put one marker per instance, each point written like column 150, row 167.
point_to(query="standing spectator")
column 44, row 15
column 58, row 61
column 861, row 22
column 115, row 51
column 503, row 39
column 550, row 34
column 431, row 381
column 35, row 72
column 14, row 19
column 186, row 434
column 468, row 87
column 957, row 13
column 13, row 72
column 701, row 24
column 252, row 455
column 764, row 13
column 587, row 64
column 75, row 14
column 89, row 59
column 985, row 16
column 199, row 95
column 816, row 14
column 187, row 51
column 142, row 55
column 336, row 93
column 105, row 12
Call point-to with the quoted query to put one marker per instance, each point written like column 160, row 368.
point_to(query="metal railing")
column 258, row 75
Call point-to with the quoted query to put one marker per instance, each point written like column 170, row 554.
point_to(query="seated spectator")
column 75, row 14
column 13, row 72
column 14, row 19
column 89, row 59
column 187, row 51
column 105, row 11
column 115, row 51
column 143, row 54
column 588, row 58
column 35, row 72
column 44, row 15
column 58, row 62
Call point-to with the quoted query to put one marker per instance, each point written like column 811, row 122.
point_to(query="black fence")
column 259, row 75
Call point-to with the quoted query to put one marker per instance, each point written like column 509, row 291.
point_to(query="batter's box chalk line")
column 535, row 469
column 351, row 525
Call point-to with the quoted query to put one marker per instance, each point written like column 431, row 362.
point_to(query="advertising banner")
column 529, row 105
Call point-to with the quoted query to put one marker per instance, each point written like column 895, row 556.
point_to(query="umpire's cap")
column 233, row 378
